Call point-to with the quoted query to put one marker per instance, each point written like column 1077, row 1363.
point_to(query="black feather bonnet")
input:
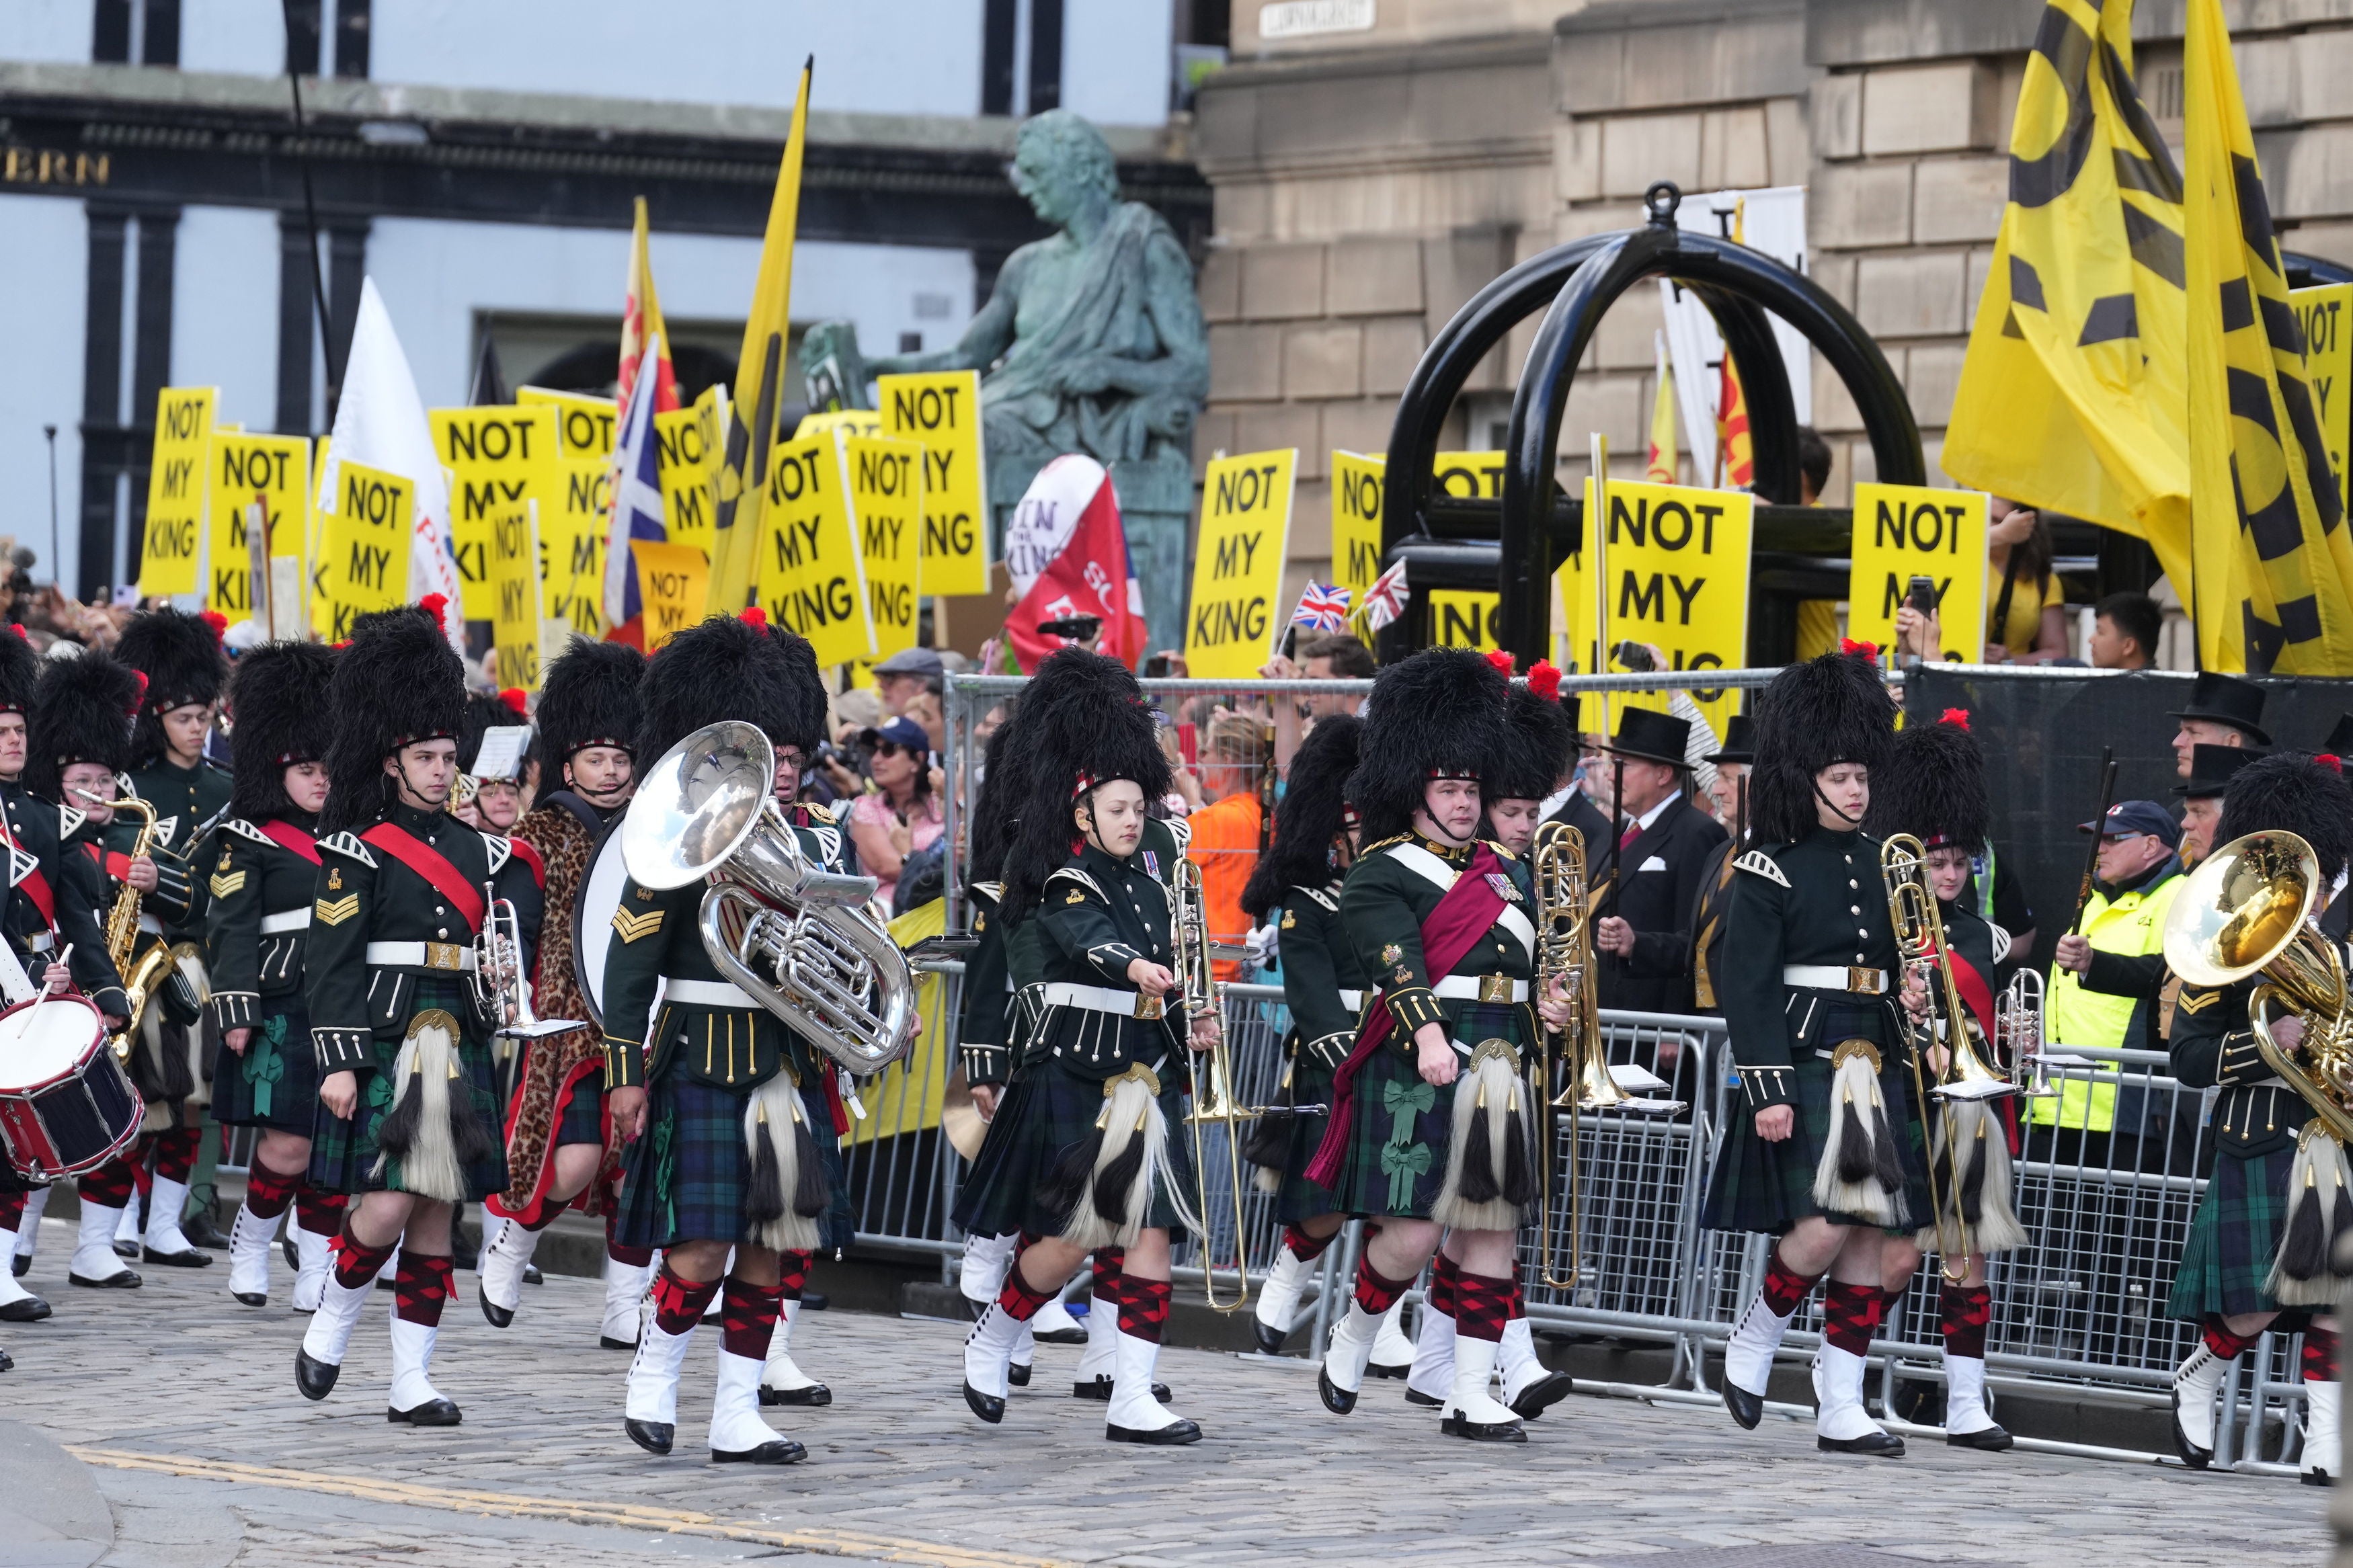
column 589, row 698
column 2293, row 792
column 1933, row 785
column 1084, row 723
column 397, row 681
column 1831, row 708
column 1438, row 713
column 182, row 658
column 732, row 668
column 1540, row 744
column 82, row 712
column 278, row 699
column 1314, row 812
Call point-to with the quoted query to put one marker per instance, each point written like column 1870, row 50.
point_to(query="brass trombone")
column 1213, row 1098
column 1920, row 944
column 1574, row 1057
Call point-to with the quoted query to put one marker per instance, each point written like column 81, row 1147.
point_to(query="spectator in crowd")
column 2124, row 629
column 902, row 815
column 2027, row 622
column 1647, row 879
column 2105, row 982
column 1229, row 825
column 1813, row 466
column 905, row 674
column 2223, row 711
column 1334, row 656
column 1731, row 764
column 2210, row 768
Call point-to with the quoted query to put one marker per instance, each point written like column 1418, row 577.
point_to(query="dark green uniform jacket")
column 1383, row 903
column 41, row 830
column 1324, row 981
column 1100, row 915
column 189, row 805
column 259, row 917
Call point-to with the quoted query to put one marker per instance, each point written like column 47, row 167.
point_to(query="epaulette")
column 69, row 821
column 992, row 891
column 1759, row 863
column 1180, row 829
column 500, row 848
column 2001, row 941
column 1075, row 875
column 1385, row 844
column 1502, row 853
column 347, row 844
column 831, row 815
column 165, row 826
column 1321, row 897
column 245, row 829
column 829, row 844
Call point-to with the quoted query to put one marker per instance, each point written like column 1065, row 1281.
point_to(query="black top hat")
column 1739, row 742
column 2210, row 768
column 1652, row 736
column 2340, row 739
column 2227, row 699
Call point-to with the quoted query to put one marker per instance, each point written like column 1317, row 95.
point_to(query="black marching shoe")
column 783, row 1451
column 1747, row 1408
column 20, row 1266
column 1871, row 1445
column 316, row 1379
column 1483, row 1431
column 1428, row 1401
column 7, row 1362
column 1540, row 1396
column 532, row 1275
column 1070, row 1336
column 242, row 1297
column 1175, row 1433
column 1373, row 1369
column 814, row 1300
column 818, row 1395
column 201, row 1231
column 122, row 1279
column 653, row 1436
column 432, row 1413
column 25, row 1310
column 127, row 1250
column 1270, row 1338
column 1338, row 1400
column 2315, row 1476
column 988, row 1406
column 1992, row 1440
column 498, row 1316
column 287, row 1250
column 186, row 1257
column 1099, row 1390
column 1017, row 1374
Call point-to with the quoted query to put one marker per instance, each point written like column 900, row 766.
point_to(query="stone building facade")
column 1368, row 182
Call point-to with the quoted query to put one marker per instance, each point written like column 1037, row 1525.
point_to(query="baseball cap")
column 2127, row 817
column 903, row 732
column 911, row 661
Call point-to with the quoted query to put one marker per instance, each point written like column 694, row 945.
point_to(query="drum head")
column 46, row 1039
column 592, row 918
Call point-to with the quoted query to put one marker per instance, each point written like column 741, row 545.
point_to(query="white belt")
column 706, row 994
column 286, row 920
column 1481, row 988
column 40, row 941
column 151, row 925
column 1103, row 999
column 1354, row 1001
column 456, row 957
column 1835, row 977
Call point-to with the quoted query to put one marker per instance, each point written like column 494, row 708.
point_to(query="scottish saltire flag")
column 637, row 492
column 1322, row 609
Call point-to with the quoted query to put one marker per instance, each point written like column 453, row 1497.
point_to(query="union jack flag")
column 1322, row 609
column 1385, row 600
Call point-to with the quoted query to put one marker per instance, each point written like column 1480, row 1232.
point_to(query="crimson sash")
column 1974, row 992
column 433, row 866
column 286, row 835
column 1459, row 922
column 36, row 886
column 530, row 857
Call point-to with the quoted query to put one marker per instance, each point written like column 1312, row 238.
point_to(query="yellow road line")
column 624, row 1516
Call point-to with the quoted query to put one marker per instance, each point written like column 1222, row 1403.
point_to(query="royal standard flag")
column 743, row 483
column 2272, row 582
column 2074, row 393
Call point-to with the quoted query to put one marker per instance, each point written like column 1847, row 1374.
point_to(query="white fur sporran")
column 429, row 1057
column 1487, row 1152
column 1985, row 1164
column 2320, row 1186
column 771, row 1115
column 1860, row 1171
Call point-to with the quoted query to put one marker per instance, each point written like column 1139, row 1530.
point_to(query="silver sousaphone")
column 795, row 937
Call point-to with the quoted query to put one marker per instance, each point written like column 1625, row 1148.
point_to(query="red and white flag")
column 1090, row 572
column 641, row 323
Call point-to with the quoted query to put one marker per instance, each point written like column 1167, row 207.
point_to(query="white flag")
column 380, row 424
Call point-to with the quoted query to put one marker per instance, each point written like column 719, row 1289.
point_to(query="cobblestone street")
column 181, row 1405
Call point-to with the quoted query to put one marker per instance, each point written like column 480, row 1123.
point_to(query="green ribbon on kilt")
column 1404, row 1101
column 1404, row 1167
column 265, row 1063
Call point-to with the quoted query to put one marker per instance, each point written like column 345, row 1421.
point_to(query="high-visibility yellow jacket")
column 2130, row 924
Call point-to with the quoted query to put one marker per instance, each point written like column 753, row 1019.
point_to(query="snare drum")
column 66, row 1104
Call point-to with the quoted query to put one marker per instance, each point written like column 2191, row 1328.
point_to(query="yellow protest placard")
column 366, row 545
column 585, row 422
column 1902, row 531
column 176, row 472
column 571, row 543
column 1677, row 560
column 942, row 410
column 273, row 470
column 1231, row 624
column 515, row 593
column 495, row 456
column 849, row 421
column 683, row 452
column 1356, row 523
column 314, row 551
column 886, row 498
column 2323, row 313
column 808, row 574
column 1471, row 475
column 672, row 580
column 1466, row 618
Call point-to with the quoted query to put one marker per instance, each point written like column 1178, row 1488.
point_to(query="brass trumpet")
column 1213, row 1098
column 1921, row 945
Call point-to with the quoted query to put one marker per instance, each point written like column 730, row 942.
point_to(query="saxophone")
column 140, row 979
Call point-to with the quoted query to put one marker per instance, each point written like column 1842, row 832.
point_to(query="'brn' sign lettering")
column 1230, row 626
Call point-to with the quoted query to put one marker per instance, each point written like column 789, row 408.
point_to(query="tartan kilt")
column 343, row 1153
column 1297, row 1199
column 1048, row 1109
column 1769, row 1187
column 2233, row 1238
column 690, row 1176
column 275, row 1084
column 1375, row 1180
column 583, row 1120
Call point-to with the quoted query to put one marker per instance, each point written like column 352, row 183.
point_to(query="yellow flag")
column 1661, row 468
column 2074, row 395
column 742, row 484
column 2274, row 567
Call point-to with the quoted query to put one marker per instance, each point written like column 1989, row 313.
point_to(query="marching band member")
column 1084, row 1152
column 2257, row 1259
column 80, row 740
column 1933, row 787
column 49, row 897
column 1440, row 920
column 258, row 921
column 490, row 798
column 1824, row 1151
column 1323, row 984
column 406, row 1087
column 733, row 1117
column 561, row 1152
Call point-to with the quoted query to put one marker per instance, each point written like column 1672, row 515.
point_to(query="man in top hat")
column 1647, row 877
column 1578, row 811
column 2223, row 711
column 561, row 1148
column 52, row 898
column 1714, row 895
column 2211, row 771
column 700, row 1083
column 407, row 1087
